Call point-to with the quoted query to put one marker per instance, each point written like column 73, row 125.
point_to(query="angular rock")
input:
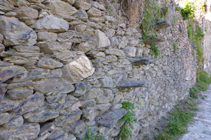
column 4, row 118
column 88, row 103
column 19, row 93
column 74, row 107
column 71, row 2
column 82, row 15
column 97, row 5
column 78, row 127
column 52, row 24
column 93, row 93
column 102, row 39
column 27, row 20
column 107, row 82
column 61, row 8
column 11, row 14
column 69, row 100
column 42, row 116
column 58, row 136
column 130, row 51
column 6, row 6
column 7, row 105
column 106, row 97
column 68, row 119
column 80, row 28
column 142, row 61
column 26, row 12
column 27, row 131
column 48, row 63
column 14, row 122
column 78, row 69
column 94, row 12
column 85, row 46
column 56, row 99
column 3, row 89
column 30, row 104
column 110, row 118
column 151, row 40
column 81, row 89
column 46, row 128
column 46, row 36
column 116, row 52
column 82, row 5
column 128, row 84
column 162, row 25
column 16, row 33
column 48, row 85
column 89, row 114
column 110, row 33
column 11, row 72
column 27, row 49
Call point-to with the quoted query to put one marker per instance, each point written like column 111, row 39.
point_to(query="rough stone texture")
column 78, row 69
column 83, row 5
column 46, row 36
column 4, row 118
column 142, row 61
column 49, row 63
column 102, row 40
column 19, row 93
column 16, row 32
column 94, row 12
column 52, row 24
column 14, row 122
column 26, row 12
column 151, row 40
column 110, row 118
column 162, row 25
column 128, row 84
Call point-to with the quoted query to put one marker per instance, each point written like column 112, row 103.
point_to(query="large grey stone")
column 110, row 118
column 52, row 24
column 151, row 40
column 54, row 47
column 32, row 103
column 48, row 85
column 78, row 69
column 128, row 83
column 27, row 131
column 19, row 93
column 142, row 61
column 26, row 12
column 102, row 39
column 11, row 72
column 61, row 8
column 16, row 33
column 46, row 36
column 48, row 63
column 94, row 12
column 68, row 119
column 4, row 118
column 14, row 122
column 42, row 116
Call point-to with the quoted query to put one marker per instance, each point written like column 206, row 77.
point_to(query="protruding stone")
column 4, row 118
column 19, row 93
column 82, row 5
column 11, row 14
column 26, row 12
column 32, row 103
column 16, row 33
column 68, row 119
column 116, row 52
column 85, row 46
column 78, row 69
column 142, row 61
column 14, row 122
column 46, row 36
column 162, row 25
column 28, row 130
column 151, row 40
column 128, row 84
column 48, row 63
column 61, row 8
column 46, row 128
column 52, row 24
column 107, row 82
column 81, row 89
column 102, row 39
column 110, row 118
column 94, row 12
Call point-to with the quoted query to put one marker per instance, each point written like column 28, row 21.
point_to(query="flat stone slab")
column 151, row 40
column 128, row 84
column 142, row 61
column 110, row 118
column 161, row 25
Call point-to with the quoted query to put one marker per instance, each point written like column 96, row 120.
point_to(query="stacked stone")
column 68, row 64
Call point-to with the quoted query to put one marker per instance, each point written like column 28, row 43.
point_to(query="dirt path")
column 200, row 129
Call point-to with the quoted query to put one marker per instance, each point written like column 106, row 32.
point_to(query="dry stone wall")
column 69, row 64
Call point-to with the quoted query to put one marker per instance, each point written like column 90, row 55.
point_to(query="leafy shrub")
column 91, row 136
column 188, row 11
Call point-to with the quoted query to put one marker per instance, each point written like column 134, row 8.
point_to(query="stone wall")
column 70, row 64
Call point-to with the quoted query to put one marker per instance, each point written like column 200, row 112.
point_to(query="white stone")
column 102, row 39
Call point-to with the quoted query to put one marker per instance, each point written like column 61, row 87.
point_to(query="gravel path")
column 200, row 129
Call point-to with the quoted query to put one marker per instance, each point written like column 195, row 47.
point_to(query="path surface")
column 200, row 129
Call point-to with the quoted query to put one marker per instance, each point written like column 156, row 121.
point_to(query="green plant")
column 175, row 20
column 188, row 11
column 148, row 35
column 91, row 136
column 175, row 47
column 128, row 119
column 177, row 8
column 154, row 51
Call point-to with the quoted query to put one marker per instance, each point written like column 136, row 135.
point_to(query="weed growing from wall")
column 175, row 47
column 154, row 51
column 91, row 136
column 188, row 11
